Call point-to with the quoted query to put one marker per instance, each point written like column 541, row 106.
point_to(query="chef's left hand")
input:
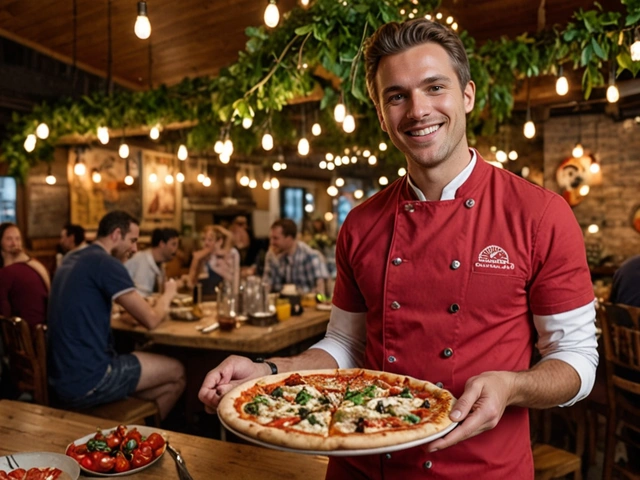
column 481, row 406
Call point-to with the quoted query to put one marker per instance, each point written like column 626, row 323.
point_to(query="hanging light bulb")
column 142, row 27
column 180, row 177
column 276, row 166
column 168, row 179
column 366, row 154
column 272, row 14
column 339, row 112
column 79, row 168
column 206, row 182
column 200, row 177
column 218, row 147
column 383, row 180
column 358, row 194
column 316, row 129
column 613, row 94
column 513, row 155
column 584, row 190
column 382, row 147
column 153, row 177
column 577, row 151
column 123, row 151
column 103, row 135
column 183, row 153
column 562, row 84
column 594, row 167
column 501, row 156
column 402, row 172
column 593, row 228
column 128, row 180
column 266, row 184
column 267, row 142
column 323, row 164
column 275, row 183
column 50, row 179
column 224, row 158
column 227, row 148
column 349, row 124
column 154, row 133
column 331, row 166
column 339, row 182
column 303, row 146
column 635, row 46
column 354, row 159
column 338, row 161
column 244, row 180
column 247, row 122
column 253, row 183
column 332, row 190
column 372, row 160
column 529, row 129
column 304, row 3
column 525, row 172
column 42, row 131
column 30, row 143
column 95, row 176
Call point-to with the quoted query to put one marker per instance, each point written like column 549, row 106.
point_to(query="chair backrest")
column 621, row 334
column 27, row 357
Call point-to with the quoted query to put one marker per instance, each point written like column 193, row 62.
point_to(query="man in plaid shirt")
column 292, row 261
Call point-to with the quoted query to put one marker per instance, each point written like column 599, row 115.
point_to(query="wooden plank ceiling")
column 198, row 37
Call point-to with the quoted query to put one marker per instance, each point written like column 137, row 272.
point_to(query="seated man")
column 147, row 267
column 85, row 370
column 290, row 261
column 71, row 238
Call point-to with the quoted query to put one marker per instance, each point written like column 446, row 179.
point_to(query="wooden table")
column 27, row 427
column 246, row 339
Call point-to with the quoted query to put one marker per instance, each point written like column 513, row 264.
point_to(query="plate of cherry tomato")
column 118, row 451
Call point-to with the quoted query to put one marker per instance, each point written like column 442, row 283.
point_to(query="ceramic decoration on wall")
column 575, row 173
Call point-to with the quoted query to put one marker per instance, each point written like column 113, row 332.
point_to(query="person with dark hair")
column 24, row 281
column 450, row 274
column 85, row 369
column 147, row 267
column 245, row 242
column 290, row 261
column 626, row 283
column 71, row 238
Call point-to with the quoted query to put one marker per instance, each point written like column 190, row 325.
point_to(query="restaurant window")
column 292, row 203
column 7, row 199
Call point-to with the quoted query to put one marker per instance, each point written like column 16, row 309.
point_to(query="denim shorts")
column 119, row 381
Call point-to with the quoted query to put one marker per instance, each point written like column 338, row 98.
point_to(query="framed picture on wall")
column 160, row 190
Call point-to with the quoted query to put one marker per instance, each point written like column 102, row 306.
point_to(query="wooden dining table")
column 28, row 427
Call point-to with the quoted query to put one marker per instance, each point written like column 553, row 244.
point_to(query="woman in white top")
column 216, row 262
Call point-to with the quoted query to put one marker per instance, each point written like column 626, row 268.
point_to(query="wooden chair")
column 621, row 334
column 28, row 369
column 551, row 462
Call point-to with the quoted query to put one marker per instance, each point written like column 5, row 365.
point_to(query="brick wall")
column 609, row 205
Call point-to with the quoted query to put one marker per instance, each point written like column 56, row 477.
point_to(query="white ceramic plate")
column 41, row 460
column 346, row 453
column 143, row 429
column 325, row 307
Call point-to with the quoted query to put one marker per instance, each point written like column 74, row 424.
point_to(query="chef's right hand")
column 233, row 371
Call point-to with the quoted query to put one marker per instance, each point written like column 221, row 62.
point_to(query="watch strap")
column 272, row 366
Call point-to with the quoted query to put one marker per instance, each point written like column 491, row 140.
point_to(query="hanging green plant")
column 320, row 47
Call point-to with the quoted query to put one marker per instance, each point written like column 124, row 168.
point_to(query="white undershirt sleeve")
column 346, row 338
column 571, row 338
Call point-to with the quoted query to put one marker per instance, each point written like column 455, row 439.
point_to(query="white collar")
column 449, row 191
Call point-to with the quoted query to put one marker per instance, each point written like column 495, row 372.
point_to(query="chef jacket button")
column 439, row 384
column 470, row 203
column 396, row 261
column 447, row 352
column 391, row 359
column 427, row 464
column 409, row 207
column 455, row 265
column 395, row 305
column 454, row 308
column 387, row 456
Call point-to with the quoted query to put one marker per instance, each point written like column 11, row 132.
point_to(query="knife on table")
column 183, row 473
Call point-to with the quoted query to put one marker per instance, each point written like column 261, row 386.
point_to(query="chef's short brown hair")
column 393, row 38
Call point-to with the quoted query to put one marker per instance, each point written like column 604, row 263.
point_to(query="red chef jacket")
column 449, row 288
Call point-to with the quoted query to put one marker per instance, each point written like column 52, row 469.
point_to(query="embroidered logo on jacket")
column 494, row 257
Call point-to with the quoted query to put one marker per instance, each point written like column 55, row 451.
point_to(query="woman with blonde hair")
column 216, row 262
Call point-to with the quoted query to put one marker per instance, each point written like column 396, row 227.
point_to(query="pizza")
column 34, row 474
column 346, row 409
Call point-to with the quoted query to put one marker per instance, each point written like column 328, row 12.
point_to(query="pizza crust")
column 230, row 414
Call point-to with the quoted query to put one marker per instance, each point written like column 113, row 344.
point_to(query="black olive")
column 426, row 404
column 380, row 407
column 303, row 412
column 360, row 425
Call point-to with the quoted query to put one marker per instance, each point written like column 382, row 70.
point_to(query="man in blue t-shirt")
column 85, row 370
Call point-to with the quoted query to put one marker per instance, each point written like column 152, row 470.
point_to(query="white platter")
column 41, row 460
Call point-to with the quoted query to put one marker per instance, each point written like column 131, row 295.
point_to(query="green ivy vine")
column 283, row 64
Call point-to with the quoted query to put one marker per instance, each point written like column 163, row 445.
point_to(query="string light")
column 349, row 124
column 154, row 133
column 332, row 190
column 303, row 146
column 402, row 172
column 584, row 190
column 50, row 179
column 253, row 183
column 128, row 180
column 142, row 27
column 635, row 46
column 272, row 14
column 244, row 180
column 227, row 148
column 339, row 113
column 329, row 157
column 247, row 122
column 594, row 167
column 30, row 143
column 153, row 177
column 339, row 182
column 501, row 156
column 123, row 151
column 206, row 182
column 316, row 129
column 168, row 179
column 42, row 131
column 613, row 95
column 382, row 147
column 562, row 84
column 358, row 194
column 79, row 168
column 275, row 183
column 224, row 158
column 337, row 161
column 103, row 135
column 372, row 160
column 577, row 151
column 95, row 176
column 593, row 228
column 383, row 180
column 328, row 216
column 331, row 166
column 529, row 127
column 218, row 147
column 513, row 155
column 323, row 164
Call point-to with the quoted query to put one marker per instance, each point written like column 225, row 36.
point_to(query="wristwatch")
column 272, row 366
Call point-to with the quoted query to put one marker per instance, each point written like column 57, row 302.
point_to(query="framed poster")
column 91, row 200
column 159, row 197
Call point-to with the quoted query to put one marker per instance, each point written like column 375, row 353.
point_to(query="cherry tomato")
column 155, row 440
column 122, row 464
column 114, row 440
column 140, row 459
column 121, row 430
column 87, row 463
column 106, row 464
column 135, row 434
